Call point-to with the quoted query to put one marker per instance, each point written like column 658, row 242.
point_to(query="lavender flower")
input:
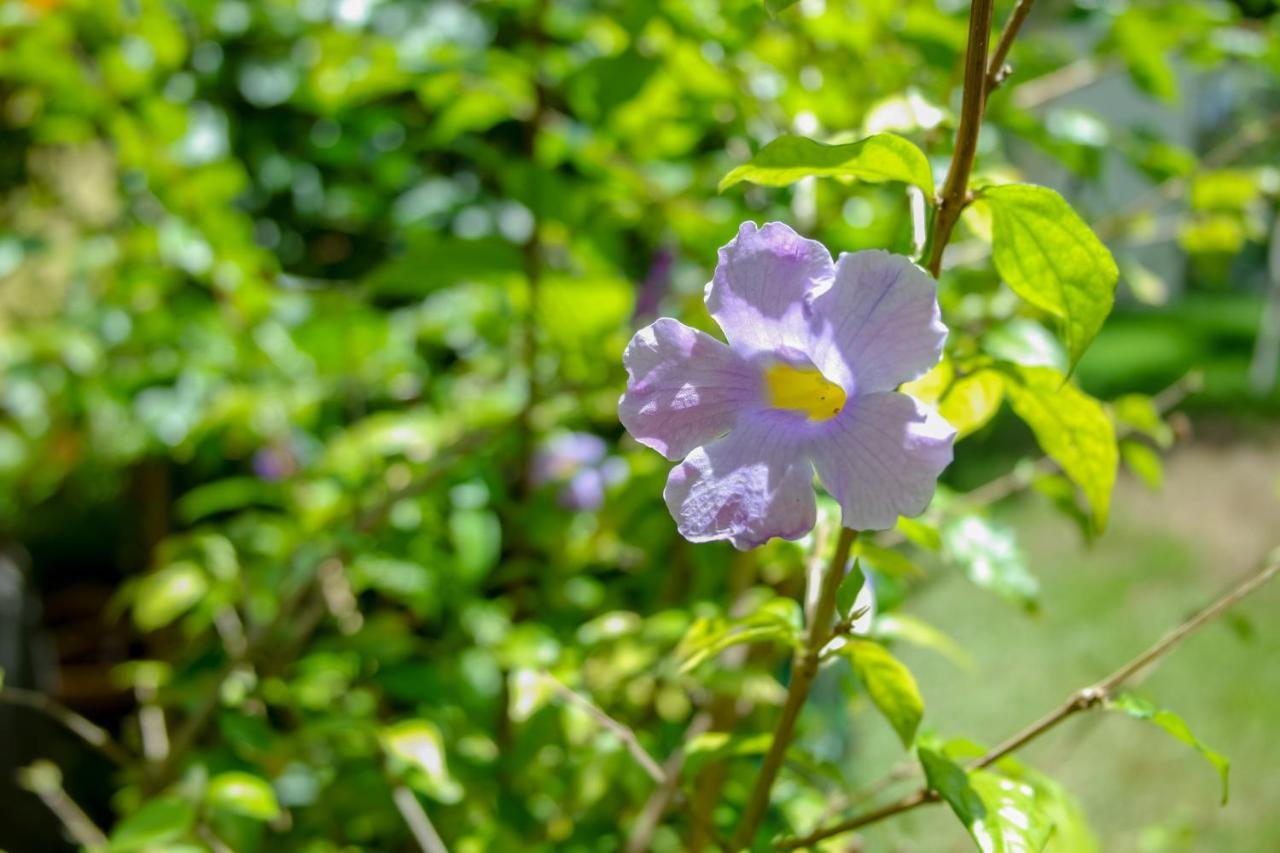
column 580, row 463
column 815, row 351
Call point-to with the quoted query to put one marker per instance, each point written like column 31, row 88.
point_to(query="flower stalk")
column 803, row 673
column 955, row 191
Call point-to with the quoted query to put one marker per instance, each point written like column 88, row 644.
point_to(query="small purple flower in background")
column 274, row 463
column 579, row 461
column 815, row 351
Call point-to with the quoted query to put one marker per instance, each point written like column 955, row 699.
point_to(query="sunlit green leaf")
column 1144, row 462
column 1048, row 255
column 1072, row 428
column 908, row 629
column 166, row 594
column 989, row 555
column 1139, row 412
column 243, row 794
column 890, row 685
column 714, row 746
column 967, row 401
column 416, row 747
column 1001, row 814
column 1141, row 709
column 883, row 157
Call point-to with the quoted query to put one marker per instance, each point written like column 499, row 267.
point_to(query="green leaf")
column 157, row 822
column 920, row 533
column 416, row 749
column 165, row 595
column 243, row 794
column 777, row 7
column 847, row 592
column 1050, row 257
column 1139, row 413
column 736, row 637
column 989, row 556
column 889, row 684
column 714, row 746
column 777, row 620
column 1144, row 462
column 887, row 561
column 909, row 629
column 1072, row 428
column 1141, row 709
column 883, row 157
column 1071, row 831
column 1002, row 815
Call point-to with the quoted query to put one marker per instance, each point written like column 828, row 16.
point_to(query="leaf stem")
column 1081, row 700
column 624, row 732
column 997, row 70
column 955, row 190
column 804, row 670
column 82, row 727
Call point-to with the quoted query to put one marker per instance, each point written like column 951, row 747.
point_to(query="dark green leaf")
column 883, row 157
column 847, row 592
column 157, row 822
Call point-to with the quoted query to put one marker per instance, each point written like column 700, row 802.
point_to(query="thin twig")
column 44, row 779
column 955, row 191
column 424, row 832
column 1081, row 700
column 802, row 675
column 997, row 70
column 624, row 732
column 91, row 733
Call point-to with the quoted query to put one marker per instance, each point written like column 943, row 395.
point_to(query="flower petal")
column 757, row 294
column 751, row 485
column 881, row 457
column 878, row 324
column 686, row 388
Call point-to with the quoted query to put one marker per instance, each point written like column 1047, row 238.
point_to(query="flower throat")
column 803, row 390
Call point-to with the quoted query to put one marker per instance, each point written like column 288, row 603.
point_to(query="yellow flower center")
column 803, row 390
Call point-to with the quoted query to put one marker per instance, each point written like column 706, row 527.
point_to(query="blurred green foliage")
column 299, row 288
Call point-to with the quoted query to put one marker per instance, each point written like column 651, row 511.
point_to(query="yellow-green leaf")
column 1141, row 709
column 1050, row 257
column 165, row 595
column 243, row 794
column 882, row 157
column 890, row 685
column 1144, row 462
column 1072, row 428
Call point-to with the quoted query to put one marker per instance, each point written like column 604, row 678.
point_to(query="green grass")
column 1142, row 790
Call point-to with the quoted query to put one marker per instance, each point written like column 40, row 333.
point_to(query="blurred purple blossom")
column 580, row 464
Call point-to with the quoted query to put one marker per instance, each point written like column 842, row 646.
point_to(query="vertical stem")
column 415, row 817
column 955, row 191
column 803, row 672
